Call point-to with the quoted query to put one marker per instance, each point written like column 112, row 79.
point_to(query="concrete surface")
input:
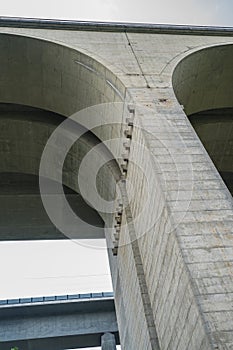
column 58, row 324
column 172, row 269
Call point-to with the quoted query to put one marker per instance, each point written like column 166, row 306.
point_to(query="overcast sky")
column 203, row 12
column 40, row 268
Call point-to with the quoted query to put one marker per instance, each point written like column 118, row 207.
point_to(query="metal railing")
column 19, row 22
column 68, row 297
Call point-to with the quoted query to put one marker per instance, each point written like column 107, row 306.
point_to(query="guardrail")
column 21, row 22
column 56, row 298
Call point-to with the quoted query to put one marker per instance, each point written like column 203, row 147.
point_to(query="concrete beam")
column 57, row 325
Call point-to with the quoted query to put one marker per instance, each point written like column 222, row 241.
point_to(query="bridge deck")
column 57, row 323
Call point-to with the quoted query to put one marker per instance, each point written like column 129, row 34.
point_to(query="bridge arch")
column 202, row 82
column 41, row 84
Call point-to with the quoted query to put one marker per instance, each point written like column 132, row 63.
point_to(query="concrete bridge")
column 59, row 322
column 163, row 98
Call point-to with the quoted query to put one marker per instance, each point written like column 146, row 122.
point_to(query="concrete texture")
column 108, row 342
column 172, row 268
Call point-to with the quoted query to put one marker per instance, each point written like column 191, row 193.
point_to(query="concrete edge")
column 39, row 23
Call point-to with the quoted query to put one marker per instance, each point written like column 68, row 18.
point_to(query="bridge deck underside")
column 57, row 325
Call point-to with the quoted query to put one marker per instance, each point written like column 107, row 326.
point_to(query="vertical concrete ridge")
column 164, row 262
column 141, row 275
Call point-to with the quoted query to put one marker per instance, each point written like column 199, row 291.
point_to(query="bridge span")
column 59, row 322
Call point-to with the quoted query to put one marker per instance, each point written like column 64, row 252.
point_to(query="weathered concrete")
column 58, row 324
column 108, row 342
column 172, row 274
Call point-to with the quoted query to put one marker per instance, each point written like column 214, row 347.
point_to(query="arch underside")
column 215, row 130
column 41, row 84
column 203, row 85
column 24, row 133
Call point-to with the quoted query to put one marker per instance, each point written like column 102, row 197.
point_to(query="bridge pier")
column 108, row 342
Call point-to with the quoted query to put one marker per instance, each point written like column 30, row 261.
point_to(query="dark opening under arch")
column 215, row 130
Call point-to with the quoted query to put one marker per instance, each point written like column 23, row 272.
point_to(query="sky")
column 199, row 12
column 41, row 268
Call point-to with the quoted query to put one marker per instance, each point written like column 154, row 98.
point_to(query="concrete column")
column 108, row 342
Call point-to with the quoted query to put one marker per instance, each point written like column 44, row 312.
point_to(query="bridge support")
column 108, row 342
